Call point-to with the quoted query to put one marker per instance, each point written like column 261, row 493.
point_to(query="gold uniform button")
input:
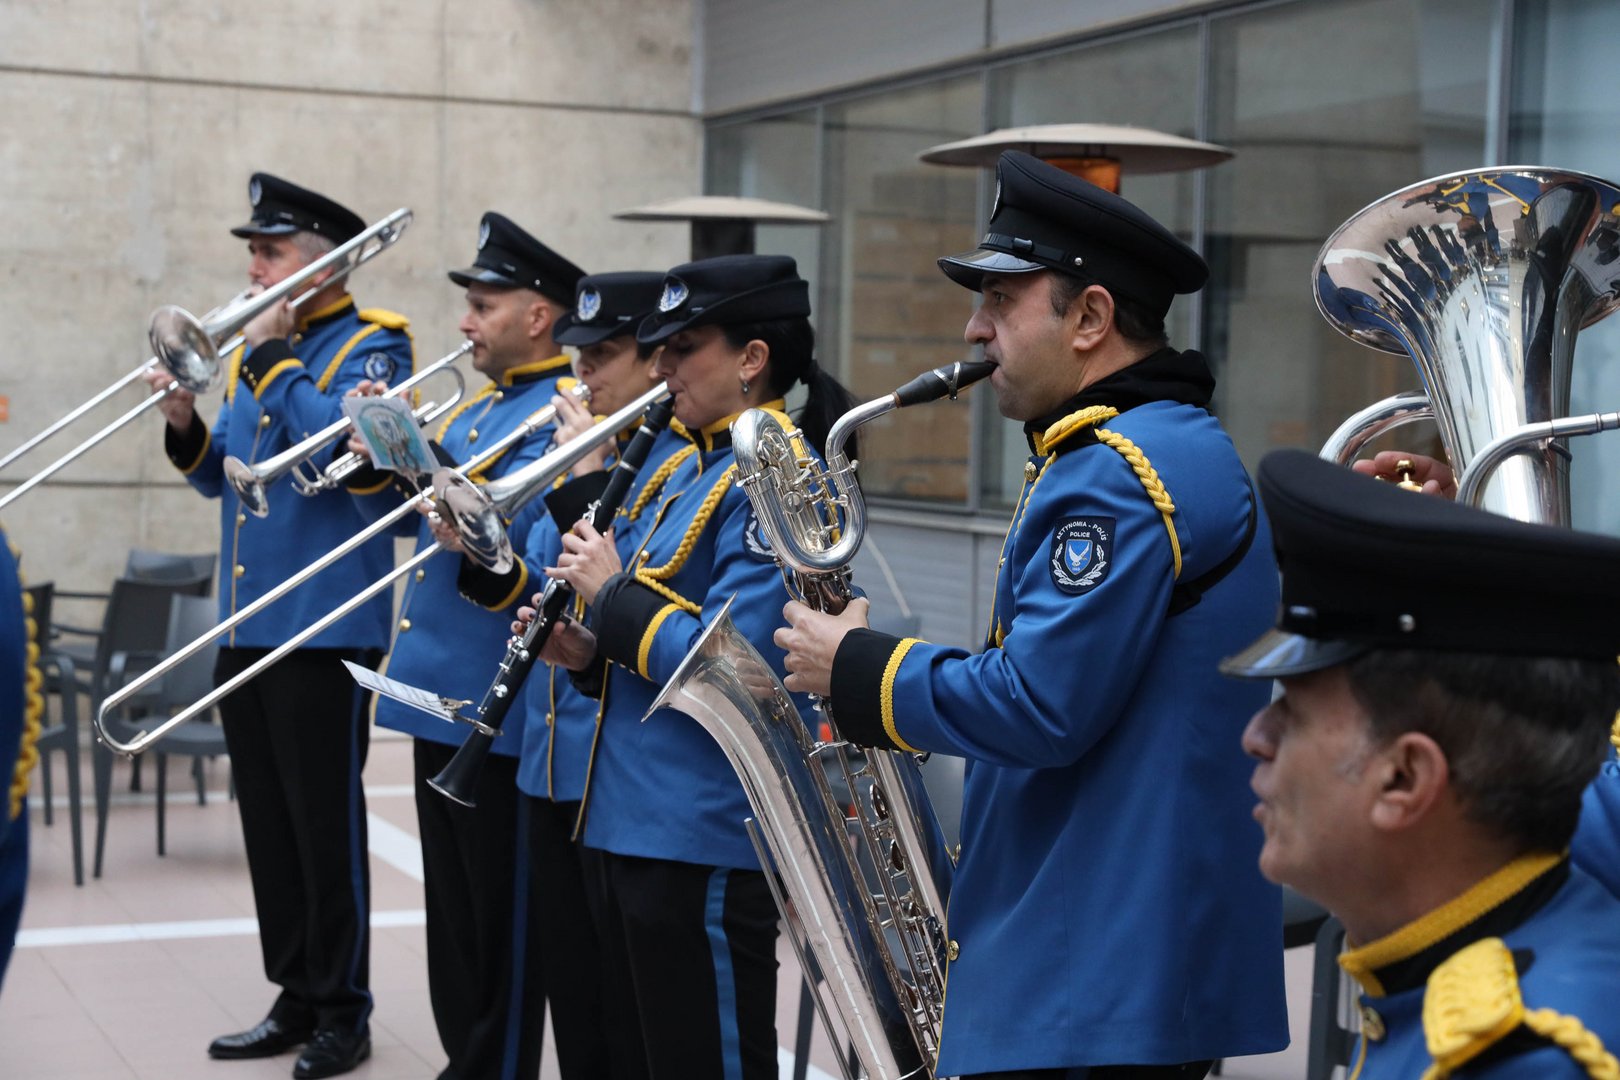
column 500, row 395
column 472, row 436
column 952, row 950
column 238, row 570
column 1030, row 472
column 404, row 624
column 264, row 421
column 420, row 574
column 1372, row 1025
column 241, row 519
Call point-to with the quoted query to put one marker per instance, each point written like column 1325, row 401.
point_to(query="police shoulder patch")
column 379, row 367
column 1082, row 552
column 755, row 540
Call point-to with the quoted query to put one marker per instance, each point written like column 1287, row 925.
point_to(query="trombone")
column 252, row 482
column 513, row 491
column 190, row 349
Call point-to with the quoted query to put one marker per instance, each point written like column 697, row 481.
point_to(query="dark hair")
column 792, row 345
column 1523, row 736
column 1135, row 321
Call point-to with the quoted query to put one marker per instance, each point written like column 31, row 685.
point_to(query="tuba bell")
column 1484, row 278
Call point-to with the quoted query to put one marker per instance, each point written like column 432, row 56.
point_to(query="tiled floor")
column 131, row 975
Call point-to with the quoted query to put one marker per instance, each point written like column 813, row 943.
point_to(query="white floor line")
column 114, row 933
column 394, row 846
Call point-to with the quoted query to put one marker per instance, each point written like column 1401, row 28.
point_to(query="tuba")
column 1484, row 278
column 871, row 915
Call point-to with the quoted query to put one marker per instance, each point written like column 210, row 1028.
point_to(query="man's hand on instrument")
column 179, row 406
column 570, row 644
column 274, row 323
column 588, row 559
column 364, row 388
column 447, row 537
column 811, row 639
column 573, row 420
column 1434, row 476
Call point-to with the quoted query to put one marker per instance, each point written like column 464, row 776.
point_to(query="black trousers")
column 484, row 963
column 297, row 737
column 567, row 936
column 1195, row 1070
column 697, row 949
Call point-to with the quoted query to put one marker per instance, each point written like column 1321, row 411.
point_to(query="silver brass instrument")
column 190, row 349
column 542, row 472
column 873, row 917
column 1484, row 278
column 252, row 482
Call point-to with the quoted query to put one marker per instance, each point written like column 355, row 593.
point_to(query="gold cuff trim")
column 647, row 636
column 208, row 439
column 517, row 590
column 890, row 671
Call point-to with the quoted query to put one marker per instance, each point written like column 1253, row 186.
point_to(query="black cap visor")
column 578, row 334
column 970, row 268
column 1277, row 654
column 265, row 228
column 484, row 276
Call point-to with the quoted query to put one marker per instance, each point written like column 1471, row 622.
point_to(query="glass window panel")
column 772, row 159
column 1563, row 115
column 1148, row 80
column 1329, row 107
column 886, row 311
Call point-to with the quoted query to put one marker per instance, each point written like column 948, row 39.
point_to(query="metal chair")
column 133, row 635
column 165, row 566
column 189, row 618
column 62, row 736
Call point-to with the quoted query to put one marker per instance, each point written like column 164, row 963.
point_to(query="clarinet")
column 459, row 778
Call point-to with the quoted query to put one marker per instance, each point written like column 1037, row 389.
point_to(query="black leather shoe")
column 265, row 1039
column 331, row 1053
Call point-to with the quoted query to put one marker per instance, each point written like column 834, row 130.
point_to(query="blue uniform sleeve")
column 1596, row 846
column 286, row 389
column 199, row 453
column 1070, row 656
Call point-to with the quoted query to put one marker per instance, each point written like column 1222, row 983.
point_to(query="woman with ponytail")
column 688, row 917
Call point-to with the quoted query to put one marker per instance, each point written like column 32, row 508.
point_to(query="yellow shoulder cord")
column 655, row 483
column 343, row 354
column 233, row 372
column 1145, row 472
column 654, row 576
column 1569, row 1033
column 33, row 709
column 1614, row 733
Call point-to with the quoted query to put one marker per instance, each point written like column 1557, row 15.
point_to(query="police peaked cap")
column 281, row 208
column 725, row 290
column 608, row 305
column 1045, row 219
column 510, row 258
column 1366, row 565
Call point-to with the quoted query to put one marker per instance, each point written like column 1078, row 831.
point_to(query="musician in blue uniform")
column 485, row 963
column 1422, row 771
column 1105, row 913
column 596, row 1027
column 687, row 904
column 21, row 708
column 297, row 734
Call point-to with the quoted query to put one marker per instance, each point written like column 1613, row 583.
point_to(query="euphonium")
column 1484, row 278
column 878, row 946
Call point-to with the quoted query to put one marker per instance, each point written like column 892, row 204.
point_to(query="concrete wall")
column 129, row 133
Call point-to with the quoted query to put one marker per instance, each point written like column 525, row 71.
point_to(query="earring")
column 744, row 385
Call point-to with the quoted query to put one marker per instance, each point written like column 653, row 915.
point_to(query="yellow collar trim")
column 536, row 367
column 1053, row 437
column 1362, row 963
column 333, row 308
column 706, row 434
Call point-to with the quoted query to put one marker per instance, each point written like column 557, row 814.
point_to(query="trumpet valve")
column 1403, row 472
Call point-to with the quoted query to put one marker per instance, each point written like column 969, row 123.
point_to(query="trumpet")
column 251, row 482
column 459, row 777
column 190, row 349
column 539, row 475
